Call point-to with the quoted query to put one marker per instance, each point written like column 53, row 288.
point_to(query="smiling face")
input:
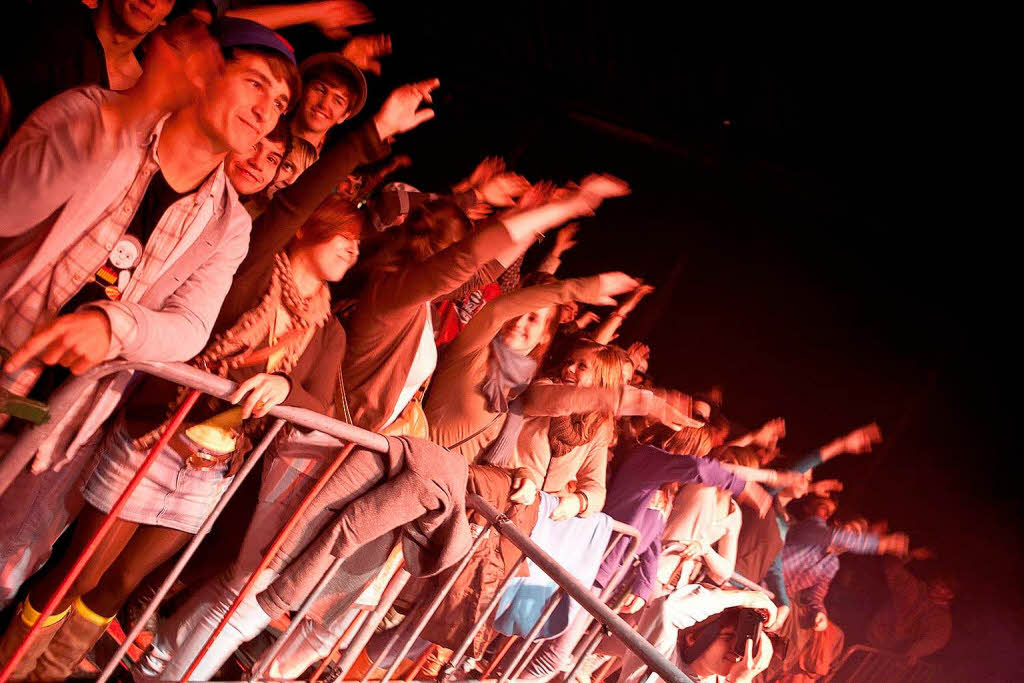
column 580, row 368
column 325, row 103
column 244, row 104
column 251, row 173
column 331, row 259
column 140, row 16
column 524, row 333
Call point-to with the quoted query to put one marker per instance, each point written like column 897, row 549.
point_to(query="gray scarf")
column 509, row 373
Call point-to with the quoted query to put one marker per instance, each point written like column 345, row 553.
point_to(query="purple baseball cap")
column 236, row 32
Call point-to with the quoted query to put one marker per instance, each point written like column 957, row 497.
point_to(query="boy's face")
column 251, row 173
column 325, row 103
column 141, row 16
column 244, row 103
column 291, row 168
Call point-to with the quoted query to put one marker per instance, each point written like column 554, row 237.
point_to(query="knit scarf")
column 246, row 342
column 508, row 374
column 571, row 431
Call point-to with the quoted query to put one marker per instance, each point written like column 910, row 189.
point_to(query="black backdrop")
column 797, row 185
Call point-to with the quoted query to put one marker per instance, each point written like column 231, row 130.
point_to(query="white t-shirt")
column 423, row 365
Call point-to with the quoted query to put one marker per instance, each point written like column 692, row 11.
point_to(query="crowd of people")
column 176, row 185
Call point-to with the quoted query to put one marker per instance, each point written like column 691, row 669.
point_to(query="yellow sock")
column 87, row 614
column 30, row 615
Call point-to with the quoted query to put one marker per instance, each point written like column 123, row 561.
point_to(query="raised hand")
column 667, row 414
column 587, row 319
column 631, row 303
column 401, row 110
column 611, row 285
column 335, row 16
column 787, row 478
column 565, row 239
column 478, row 212
column 503, row 189
column 366, row 51
column 595, row 188
column 825, row 487
column 770, row 433
column 861, row 440
column 483, row 172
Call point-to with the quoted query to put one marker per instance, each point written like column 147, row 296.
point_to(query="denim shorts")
column 170, row 495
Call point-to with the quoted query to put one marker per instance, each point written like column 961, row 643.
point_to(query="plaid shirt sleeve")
column 851, row 541
column 815, row 594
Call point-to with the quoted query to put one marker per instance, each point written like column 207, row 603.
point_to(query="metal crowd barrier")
column 864, row 664
column 356, row 637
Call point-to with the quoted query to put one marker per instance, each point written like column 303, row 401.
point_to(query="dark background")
column 798, row 184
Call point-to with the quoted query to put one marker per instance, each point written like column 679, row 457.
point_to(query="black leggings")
column 127, row 554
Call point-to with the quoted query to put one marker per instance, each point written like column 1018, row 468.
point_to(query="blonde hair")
column 607, row 363
column 302, row 154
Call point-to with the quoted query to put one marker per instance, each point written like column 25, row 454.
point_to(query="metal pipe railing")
column 25, row 448
column 265, row 660
column 340, row 644
column 618, row 627
column 366, row 631
column 621, row 531
column 268, row 557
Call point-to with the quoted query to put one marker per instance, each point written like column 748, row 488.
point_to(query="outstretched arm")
column 607, row 330
column 596, row 289
column 332, row 17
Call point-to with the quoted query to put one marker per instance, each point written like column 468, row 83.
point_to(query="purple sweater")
column 641, row 472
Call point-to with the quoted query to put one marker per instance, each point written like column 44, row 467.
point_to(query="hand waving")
column 366, row 51
column 335, row 16
column 401, row 112
column 611, row 285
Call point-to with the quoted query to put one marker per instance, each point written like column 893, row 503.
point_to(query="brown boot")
column 79, row 633
column 16, row 633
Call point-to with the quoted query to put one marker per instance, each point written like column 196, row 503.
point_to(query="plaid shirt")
column 39, row 301
column 807, row 564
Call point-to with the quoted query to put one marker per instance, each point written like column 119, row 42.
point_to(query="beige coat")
column 456, row 408
column 585, row 465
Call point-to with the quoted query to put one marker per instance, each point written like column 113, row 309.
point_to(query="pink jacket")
column 65, row 167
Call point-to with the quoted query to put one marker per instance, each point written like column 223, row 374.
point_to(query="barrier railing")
column 409, row 631
column 24, row 449
column 864, row 664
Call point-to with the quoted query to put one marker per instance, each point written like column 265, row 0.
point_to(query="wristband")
column 584, row 501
